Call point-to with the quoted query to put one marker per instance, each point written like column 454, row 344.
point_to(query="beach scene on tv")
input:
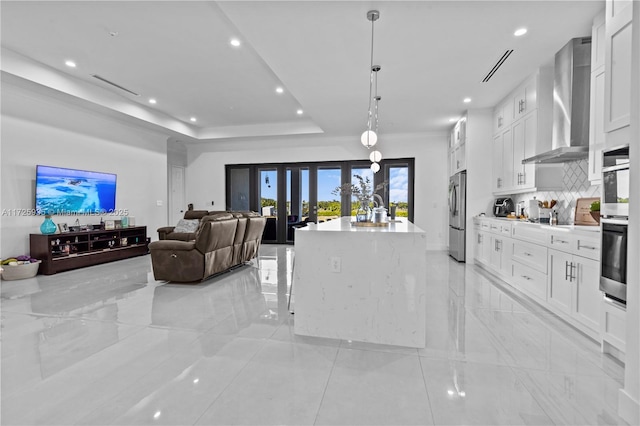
column 69, row 191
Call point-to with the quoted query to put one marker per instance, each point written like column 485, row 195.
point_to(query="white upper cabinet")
column 503, row 115
column 596, row 110
column 617, row 104
column 524, row 100
column 528, row 134
column 457, row 147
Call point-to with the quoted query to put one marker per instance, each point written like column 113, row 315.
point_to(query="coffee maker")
column 503, row 207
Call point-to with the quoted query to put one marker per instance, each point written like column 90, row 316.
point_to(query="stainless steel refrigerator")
column 457, row 215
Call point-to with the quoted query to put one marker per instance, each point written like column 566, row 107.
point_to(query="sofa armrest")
column 174, row 245
column 162, row 232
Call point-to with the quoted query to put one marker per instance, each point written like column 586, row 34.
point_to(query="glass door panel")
column 268, row 196
column 399, row 189
column 328, row 205
column 297, row 199
column 239, row 189
column 365, row 173
column 304, row 193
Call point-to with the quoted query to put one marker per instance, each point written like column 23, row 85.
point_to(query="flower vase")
column 363, row 214
column 48, row 227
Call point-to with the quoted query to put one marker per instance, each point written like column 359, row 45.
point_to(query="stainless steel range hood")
column 571, row 91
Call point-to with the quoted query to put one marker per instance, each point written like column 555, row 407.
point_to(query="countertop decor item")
column 48, row 227
column 595, row 211
column 583, row 214
column 363, row 192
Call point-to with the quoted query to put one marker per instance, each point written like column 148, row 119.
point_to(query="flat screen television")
column 69, row 191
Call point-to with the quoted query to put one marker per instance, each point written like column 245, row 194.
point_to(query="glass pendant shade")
column 375, row 167
column 375, row 156
column 369, row 138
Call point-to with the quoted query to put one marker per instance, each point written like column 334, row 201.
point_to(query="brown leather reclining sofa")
column 222, row 241
column 168, row 233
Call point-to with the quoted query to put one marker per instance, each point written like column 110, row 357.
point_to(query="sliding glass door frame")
column 296, row 168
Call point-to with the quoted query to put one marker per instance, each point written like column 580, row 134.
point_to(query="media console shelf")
column 71, row 250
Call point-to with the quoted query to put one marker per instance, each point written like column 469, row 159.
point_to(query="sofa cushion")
column 187, row 225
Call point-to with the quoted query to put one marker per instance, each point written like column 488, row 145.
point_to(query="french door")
column 290, row 194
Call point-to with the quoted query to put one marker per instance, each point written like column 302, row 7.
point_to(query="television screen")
column 68, row 191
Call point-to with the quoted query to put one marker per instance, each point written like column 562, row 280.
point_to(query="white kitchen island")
column 366, row 284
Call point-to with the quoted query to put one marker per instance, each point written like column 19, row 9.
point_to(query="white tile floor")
column 110, row 345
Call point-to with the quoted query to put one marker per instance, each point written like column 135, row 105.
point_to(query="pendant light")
column 370, row 136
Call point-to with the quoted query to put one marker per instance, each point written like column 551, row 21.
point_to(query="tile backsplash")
column 575, row 184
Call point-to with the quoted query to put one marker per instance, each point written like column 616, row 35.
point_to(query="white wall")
column 206, row 172
column 38, row 128
column 629, row 402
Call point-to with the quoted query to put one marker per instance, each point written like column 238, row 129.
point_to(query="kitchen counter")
column 361, row 283
column 576, row 228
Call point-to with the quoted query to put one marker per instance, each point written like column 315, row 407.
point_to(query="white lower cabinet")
column 557, row 267
column 560, row 281
column 588, row 300
column 530, row 281
column 573, row 289
column 613, row 328
column 485, row 253
column 482, row 249
column 501, row 252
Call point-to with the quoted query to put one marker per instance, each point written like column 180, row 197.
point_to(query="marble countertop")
column 580, row 228
column 343, row 224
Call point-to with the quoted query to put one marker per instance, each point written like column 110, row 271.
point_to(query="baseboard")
column 628, row 408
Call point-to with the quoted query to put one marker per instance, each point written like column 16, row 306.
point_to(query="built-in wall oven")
column 614, row 210
column 613, row 262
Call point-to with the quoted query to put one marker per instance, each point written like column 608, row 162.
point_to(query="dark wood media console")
column 72, row 250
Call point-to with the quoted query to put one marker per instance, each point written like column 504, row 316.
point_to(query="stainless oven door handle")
column 615, row 168
column 615, row 220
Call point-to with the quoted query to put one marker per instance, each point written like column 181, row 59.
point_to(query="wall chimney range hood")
column 571, row 91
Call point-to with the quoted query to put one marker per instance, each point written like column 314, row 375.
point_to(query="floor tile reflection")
column 110, row 345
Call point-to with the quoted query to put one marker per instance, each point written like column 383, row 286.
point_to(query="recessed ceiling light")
column 70, row 64
column 193, row 119
column 466, row 100
column 299, row 112
column 279, row 90
column 152, row 101
column 453, row 120
column 520, row 31
column 235, row 42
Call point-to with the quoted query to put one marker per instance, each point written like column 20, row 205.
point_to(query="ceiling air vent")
column 497, row 65
column 104, row 80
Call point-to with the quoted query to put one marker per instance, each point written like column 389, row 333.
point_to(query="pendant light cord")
column 371, row 79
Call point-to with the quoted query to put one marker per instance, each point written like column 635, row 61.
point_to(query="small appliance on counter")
column 534, row 210
column 502, row 207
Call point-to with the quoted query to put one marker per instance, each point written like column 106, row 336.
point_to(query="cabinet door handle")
column 526, row 277
column 527, row 254
column 586, row 247
column 566, row 270
column 571, row 275
column 557, row 240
